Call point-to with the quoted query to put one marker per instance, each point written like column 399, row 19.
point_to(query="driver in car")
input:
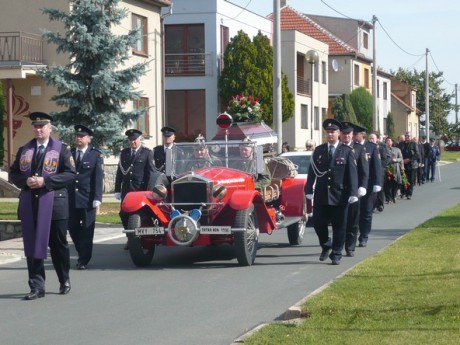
column 201, row 156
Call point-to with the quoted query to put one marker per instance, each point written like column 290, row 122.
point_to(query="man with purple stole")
column 42, row 169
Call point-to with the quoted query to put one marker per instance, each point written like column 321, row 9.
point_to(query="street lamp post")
column 312, row 57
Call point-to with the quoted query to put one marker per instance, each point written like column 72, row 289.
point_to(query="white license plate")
column 158, row 230
column 216, row 230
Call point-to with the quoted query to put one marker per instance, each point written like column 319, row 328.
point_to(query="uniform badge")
column 72, row 162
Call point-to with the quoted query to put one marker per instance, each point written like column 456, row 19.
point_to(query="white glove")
column 96, row 203
column 352, row 199
column 118, row 196
column 310, row 196
column 361, row 192
column 376, row 188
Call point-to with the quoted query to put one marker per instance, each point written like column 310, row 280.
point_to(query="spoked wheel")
column 141, row 257
column 296, row 231
column 246, row 241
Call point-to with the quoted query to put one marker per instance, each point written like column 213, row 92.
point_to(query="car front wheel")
column 139, row 255
column 246, row 241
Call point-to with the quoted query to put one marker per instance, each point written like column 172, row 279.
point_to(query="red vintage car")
column 213, row 200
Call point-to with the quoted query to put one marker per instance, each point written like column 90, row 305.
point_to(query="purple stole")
column 36, row 238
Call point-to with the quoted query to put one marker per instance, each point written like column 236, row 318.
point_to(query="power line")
column 434, row 62
column 396, row 44
column 242, row 10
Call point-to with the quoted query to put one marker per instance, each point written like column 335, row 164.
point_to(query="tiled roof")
column 294, row 20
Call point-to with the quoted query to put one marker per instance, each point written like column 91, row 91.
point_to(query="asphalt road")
column 193, row 295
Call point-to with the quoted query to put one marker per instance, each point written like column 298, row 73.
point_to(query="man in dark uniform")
column 334, row 173
column 352, row 228
column 135, row 169
column 42, row 169
column 159, row 152
column 426, row 153
column 374, row 185
column 85, row 195
column 410, row 159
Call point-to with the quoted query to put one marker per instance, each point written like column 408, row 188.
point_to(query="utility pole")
column 277, row 74
column 374, row 79
column 456, row 105
column 427, row 97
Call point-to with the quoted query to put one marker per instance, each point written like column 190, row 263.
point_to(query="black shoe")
column 82, row 267
column 350, row 253
column 409, row 197
column 362, row 244
column 335, row 262
column 34, row 294
column 64, row 288
column 324, row 254
column 380, row 208
column 126, row 247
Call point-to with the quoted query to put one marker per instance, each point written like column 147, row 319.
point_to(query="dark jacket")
column 335, row 181
column 90, row 178
column 362, row 163
column 409, row 151
column 134, row 175
column 375, row 165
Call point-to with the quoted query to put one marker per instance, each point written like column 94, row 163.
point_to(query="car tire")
column 140, row 256
column 246, row 242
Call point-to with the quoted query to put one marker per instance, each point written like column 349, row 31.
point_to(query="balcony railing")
column 303, row 86
column 19, row 48
column 188, row 64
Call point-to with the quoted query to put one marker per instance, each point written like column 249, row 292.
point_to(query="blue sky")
column 413, row 24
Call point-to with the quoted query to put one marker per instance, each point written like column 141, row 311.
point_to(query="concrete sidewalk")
column 13, row 250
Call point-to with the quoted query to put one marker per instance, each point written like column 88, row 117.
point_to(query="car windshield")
column 232, row 154
column 302, row 162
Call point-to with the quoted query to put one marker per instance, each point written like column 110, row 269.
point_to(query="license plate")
column 216, row 230
column 158, row 230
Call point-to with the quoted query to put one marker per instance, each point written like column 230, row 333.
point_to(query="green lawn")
column 108, row 212
column 450, row 156
column 407, row 294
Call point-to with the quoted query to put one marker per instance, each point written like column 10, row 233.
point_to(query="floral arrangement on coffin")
column 245, row 108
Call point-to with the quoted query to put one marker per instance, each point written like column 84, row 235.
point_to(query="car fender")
column 134, row 201
column 242, row 199
column 293, row 196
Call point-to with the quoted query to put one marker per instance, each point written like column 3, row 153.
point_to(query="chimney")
column 283, row 3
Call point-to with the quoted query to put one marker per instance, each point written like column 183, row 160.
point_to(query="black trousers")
column 411, row 176
column 60, row 256
column 337, row 216
column 366, row 210
column 351, row 233
column 81, row 229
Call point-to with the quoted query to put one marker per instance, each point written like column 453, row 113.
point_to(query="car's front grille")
column 192, row 192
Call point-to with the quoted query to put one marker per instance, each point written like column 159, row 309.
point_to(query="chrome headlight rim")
column 193, row 230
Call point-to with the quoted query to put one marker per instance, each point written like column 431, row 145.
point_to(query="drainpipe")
column 9, row 126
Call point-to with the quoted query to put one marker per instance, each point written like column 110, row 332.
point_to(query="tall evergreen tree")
column 249, row 70
column 93, row 87
column 343, row 110
column 361, row 101
column 390, row 125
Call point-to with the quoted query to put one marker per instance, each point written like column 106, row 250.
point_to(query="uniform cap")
column 359, row 129
column 133, row 134
column 168, row 131
column 200, row 140
column 332, row 124
column 432, row 139
column 82, row 130
column 347, row 127
column 39, row 118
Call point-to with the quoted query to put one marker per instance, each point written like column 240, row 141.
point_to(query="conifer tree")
column 2, row 141
column 361, row 100
column 94, row 86
column 249, row 70
column 390, row 125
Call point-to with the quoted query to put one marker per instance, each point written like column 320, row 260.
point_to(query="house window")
column 413, row 100
column 142, row 122
column 224, row 40
column 378, row 88
column 324, row 71
column 316, row 72
column 356, row 76
column 304, row 116
column 316, row 118
column 323, row 114
column 365, row 40
column 140, row 23
column 366, row 78
column 184, row 49
column 384, row 90
column 186, row 111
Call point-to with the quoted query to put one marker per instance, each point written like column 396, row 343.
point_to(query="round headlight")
column 219, row 191
column 159, row 192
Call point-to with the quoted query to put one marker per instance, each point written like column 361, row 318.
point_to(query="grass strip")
column 409, row 293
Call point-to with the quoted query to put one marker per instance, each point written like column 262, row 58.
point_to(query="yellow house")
column 22, row 52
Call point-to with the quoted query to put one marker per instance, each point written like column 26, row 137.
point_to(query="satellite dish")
column 335, row 65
